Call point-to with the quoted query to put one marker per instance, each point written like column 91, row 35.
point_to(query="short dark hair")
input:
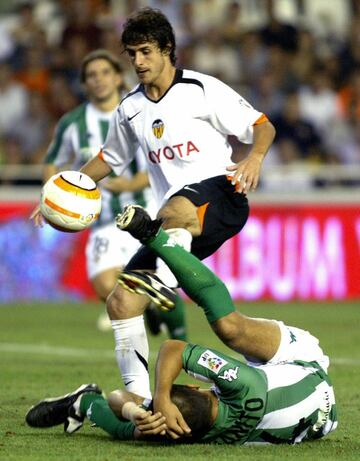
column 150, row 25
column 99, row 54
column 195, row 406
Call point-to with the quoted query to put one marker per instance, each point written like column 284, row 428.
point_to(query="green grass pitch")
column 48, row 350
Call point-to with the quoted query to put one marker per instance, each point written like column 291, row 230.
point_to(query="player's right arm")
column 96, row 168
column 168, row 367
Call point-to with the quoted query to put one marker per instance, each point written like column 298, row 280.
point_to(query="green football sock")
column 198, row 282
column 96, row 408
column 175, row 320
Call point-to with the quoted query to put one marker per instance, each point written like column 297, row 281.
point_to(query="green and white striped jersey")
column 282, row 403
column 78, row 138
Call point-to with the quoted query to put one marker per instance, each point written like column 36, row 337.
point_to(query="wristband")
column 130, row 409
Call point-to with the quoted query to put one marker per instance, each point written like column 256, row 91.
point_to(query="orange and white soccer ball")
column 70, row 201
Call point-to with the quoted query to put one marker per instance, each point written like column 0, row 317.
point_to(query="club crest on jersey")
column 158, row 128
column 211, row 361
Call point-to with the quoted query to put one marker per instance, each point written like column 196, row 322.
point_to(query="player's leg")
column 210, row 212
column 106, row 249
column 180, row 212
column 175, row 321
column 103, row 283
column 104, row 259
column 126, row 311
column 72, row 409
column 61, row 410
column 180, row 219
column 299, row 345
column 105, row 256
column 251, row 337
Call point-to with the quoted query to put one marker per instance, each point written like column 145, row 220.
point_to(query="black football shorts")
column 222, row 211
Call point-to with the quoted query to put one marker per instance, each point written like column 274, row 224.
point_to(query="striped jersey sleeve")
column 61, row 150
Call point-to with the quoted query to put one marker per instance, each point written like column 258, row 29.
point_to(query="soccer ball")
column 70, row 201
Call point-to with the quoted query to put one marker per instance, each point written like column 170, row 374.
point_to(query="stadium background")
column 296, row 60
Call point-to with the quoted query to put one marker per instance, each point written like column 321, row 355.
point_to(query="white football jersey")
column 183, row 135
column 78, row 138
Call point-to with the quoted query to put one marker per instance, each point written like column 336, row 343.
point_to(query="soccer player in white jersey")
column 78, row 137
column 181, row 120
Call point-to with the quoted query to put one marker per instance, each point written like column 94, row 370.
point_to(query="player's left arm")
column 231, row 114
column 128, row 405
column 247, row 171
column 122, row 184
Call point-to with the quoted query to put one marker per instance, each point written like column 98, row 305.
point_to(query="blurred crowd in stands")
column 296, row 60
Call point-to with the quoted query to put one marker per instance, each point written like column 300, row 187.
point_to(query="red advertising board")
column 294, row 252
column 39, row 264
column 285, row 252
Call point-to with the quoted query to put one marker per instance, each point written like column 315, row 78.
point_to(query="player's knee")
column 230, row 328
column 115, row 304
column 103, row 289
column 104, row 282
column 122, row 304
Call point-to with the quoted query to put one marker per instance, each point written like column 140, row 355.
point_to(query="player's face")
column 150, row 63
column 101, row 80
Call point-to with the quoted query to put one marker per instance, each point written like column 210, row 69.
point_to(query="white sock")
column 183, row 238
column 132, row 354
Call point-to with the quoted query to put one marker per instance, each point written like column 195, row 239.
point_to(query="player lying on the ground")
column 282, row 395
column 286, row 400
column 289, row 399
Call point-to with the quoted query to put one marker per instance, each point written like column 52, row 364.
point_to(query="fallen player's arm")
column 127, row 405
column 168, row 367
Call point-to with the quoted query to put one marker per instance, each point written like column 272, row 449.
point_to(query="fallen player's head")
column 196, row 408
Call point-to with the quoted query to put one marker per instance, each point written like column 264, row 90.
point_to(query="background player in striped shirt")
column 78, row 137
column 181, row 120
column 283, row 393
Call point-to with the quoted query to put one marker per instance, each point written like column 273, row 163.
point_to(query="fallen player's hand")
column 37, row 217
column 148, row 423
column 176, row 426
